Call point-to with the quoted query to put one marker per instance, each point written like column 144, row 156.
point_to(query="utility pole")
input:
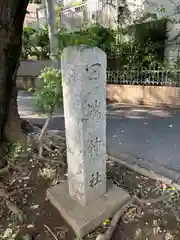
column 51, row 17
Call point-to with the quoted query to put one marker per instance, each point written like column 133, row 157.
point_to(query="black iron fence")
column 158, row 77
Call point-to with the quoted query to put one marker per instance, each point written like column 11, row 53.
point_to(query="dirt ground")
column 33, row 217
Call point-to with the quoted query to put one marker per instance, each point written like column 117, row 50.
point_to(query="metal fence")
column 75, row 18
column 159, row 77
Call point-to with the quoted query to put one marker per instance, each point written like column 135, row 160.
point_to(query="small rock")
column 100, row 237
column 36, row 206
column 30, row 226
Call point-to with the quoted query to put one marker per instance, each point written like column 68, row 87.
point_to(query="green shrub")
column 49, row 93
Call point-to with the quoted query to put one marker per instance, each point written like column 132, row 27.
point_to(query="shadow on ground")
column 149, row 134
column 145, row 133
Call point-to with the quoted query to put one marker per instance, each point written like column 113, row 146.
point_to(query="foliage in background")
column 93, row 35
column 27, row 42
column 103, row 37
column 42, row 44
column 139, row 43
column 49, row 92
column 139, row 46
column 151, row 38
column 136, row 46
column 35, row 43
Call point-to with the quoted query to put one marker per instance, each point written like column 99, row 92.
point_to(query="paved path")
column 146, row 134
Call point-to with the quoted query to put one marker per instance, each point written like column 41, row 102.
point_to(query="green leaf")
column 49, row 93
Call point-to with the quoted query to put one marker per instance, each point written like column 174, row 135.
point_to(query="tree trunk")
column 12, row 13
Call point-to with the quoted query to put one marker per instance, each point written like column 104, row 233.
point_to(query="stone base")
column 83, row 220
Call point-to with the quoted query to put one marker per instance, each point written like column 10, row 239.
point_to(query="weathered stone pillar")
column 83, row 200
column 84, row 90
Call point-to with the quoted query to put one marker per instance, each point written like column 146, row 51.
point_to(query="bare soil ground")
column 33, row 217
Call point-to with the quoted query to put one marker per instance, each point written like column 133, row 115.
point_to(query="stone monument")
column 84, row 200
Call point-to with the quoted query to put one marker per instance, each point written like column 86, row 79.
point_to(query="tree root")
column 132, row 200
column 45, row 140
column 49, row 142
column 51, row 232
column 47, row 148
column 54, row 136
column 50, row 160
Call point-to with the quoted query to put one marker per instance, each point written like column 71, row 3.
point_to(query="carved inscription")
column 94, row 146
column 92, row 110
column 95, row 179
column 93, row 72
column 72, row 74
column 84, row 95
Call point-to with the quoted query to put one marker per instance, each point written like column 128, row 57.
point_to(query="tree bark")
column 12, row 14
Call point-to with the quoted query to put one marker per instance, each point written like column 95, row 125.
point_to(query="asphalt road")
column 147, row 134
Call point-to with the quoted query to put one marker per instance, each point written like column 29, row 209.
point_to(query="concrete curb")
column 141, row 106
column 169, row 177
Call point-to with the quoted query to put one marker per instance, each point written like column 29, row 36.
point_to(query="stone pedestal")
column 85, row 219
column 84, row 94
